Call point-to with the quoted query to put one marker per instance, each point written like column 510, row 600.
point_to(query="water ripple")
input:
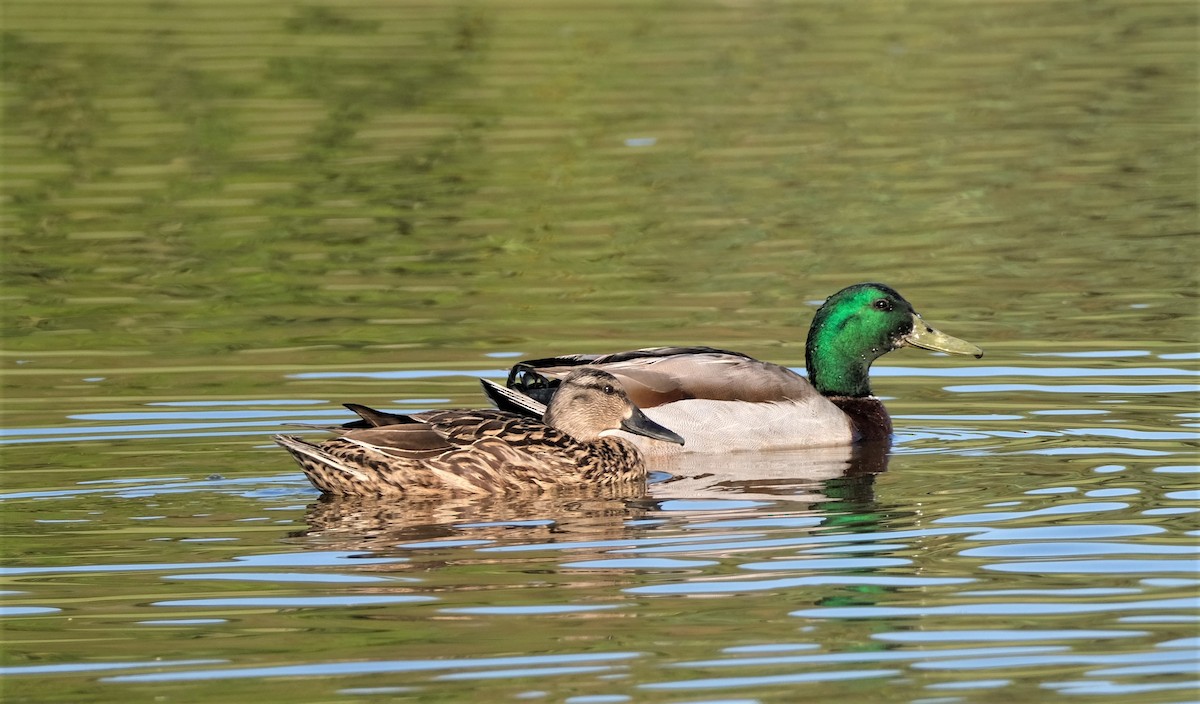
column 592, row 544
column 636, row 563
column 1036, row 549
column 526, row 672
column 757, row 585
column 136, row 489
column 335, row 669
column 330, row 558
column 296, row 602
column 1080, row 389
column 1096, row 567
column 6, row 611
column 1048, row 660
column 768, row 680
column 1076, row 592
column 283, row 577
column 848, row 563
column 979, row 636
column 530, row 610
column 771, row 543
column 874, row 656
column 994, row 609
column 1182, row 666
column 1059, row 510
column 1105, row 688
column 1078, row 531
column 67, row 668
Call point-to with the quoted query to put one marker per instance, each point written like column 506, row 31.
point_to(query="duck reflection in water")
column 814, row 483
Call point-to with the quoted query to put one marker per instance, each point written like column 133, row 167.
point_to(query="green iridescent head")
column 858, row 325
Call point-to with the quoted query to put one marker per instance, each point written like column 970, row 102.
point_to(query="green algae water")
column 222, row 218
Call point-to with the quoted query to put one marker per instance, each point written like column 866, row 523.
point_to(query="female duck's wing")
column 477, row 451
column 662, row 375
column 462, row 427
column 434, row 433
column 432, row 429
column 412, row 441
column 371, row 418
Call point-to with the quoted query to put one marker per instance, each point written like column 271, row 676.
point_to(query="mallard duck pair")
column 586, row 420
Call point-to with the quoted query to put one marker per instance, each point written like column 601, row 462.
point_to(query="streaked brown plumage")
column 486, row 451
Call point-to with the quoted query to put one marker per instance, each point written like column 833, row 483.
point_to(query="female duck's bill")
column 639, row 423
column 593, row 404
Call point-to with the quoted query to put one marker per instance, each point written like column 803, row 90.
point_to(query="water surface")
column 219, row 219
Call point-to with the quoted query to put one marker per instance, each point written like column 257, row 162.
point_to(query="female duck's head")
column 591, row 403
column 857, row 325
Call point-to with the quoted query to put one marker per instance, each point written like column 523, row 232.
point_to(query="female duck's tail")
column 326, row 472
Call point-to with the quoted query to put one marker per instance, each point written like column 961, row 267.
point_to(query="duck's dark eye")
column 883, row 304
column 608, row 389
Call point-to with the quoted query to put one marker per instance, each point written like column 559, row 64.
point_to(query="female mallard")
column 484, row 451
column 726, row 401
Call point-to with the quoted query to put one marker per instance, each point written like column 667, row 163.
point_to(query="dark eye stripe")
column 596, row 382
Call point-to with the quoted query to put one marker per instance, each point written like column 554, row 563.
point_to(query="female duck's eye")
column 608, row 389
column 883, row 304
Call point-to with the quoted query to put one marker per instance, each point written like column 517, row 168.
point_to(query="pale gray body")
column 718, row 401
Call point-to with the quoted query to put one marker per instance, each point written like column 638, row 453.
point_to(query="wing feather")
column 661, row 375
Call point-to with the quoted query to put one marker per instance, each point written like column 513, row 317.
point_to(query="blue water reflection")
column 334, row 669
column 911, row 571
column 1028, row 608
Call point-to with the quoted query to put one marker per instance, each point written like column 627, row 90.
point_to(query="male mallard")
column 724, row 401
column 483, row 451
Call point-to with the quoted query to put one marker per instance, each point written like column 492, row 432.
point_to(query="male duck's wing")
column 512, row 400
column 662, row 375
